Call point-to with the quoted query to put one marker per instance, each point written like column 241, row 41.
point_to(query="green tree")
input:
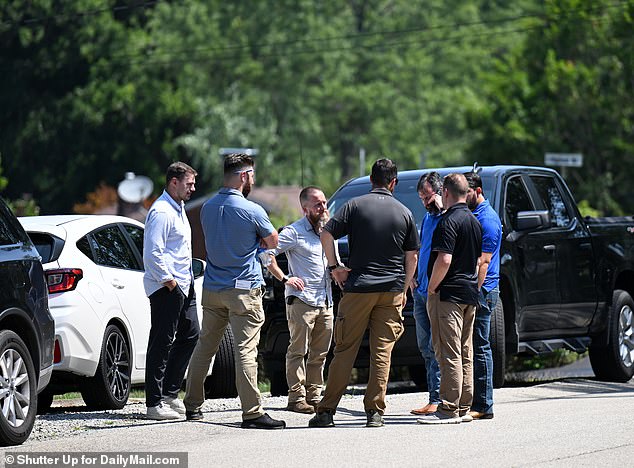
column 567, row 89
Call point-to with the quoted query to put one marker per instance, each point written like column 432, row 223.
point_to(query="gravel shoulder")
column 70, row 418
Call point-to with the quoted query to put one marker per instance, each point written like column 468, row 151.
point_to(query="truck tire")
column 18, row 400
column 222, row 381
column 615, row 362
column 497, row 339
column 110, row 386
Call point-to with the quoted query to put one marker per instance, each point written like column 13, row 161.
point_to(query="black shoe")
column 321, row 420
column 263, row 422
column 374, row 418
column 194, row 415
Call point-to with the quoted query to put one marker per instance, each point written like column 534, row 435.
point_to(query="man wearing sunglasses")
column 234, row 229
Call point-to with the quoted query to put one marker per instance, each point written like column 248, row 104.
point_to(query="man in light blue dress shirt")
column 308, row 296
column 168, row 282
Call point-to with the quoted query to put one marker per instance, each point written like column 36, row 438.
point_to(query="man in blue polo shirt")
column 234, row 229
column 488, row 279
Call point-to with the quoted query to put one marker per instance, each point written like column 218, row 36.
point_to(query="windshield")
column 405, row 192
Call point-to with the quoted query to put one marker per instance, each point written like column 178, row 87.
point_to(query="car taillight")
column 65, row 279
column 57, row 353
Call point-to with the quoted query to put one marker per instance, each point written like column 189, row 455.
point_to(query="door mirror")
column 532, row 220
column 198, row 266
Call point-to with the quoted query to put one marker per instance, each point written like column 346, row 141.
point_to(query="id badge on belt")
column 243, row 284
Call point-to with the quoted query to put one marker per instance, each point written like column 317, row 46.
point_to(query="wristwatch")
column 332, row 267
column 284, row 279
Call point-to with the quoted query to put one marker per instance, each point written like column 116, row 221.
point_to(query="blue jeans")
column 423, row 337
column 482, row 355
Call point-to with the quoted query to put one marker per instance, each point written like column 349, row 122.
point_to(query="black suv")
column 26, row 331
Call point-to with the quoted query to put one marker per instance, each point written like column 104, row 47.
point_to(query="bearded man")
column 308, row 294
column 234, row 229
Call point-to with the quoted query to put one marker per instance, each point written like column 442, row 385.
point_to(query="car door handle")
column 550, row 248
column 117, row 284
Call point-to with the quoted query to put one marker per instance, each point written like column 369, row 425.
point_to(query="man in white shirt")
column 168, row 282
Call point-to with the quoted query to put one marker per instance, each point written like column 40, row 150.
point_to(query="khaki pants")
column 310, row 328
column 381, row 312
column 243, row 310
column 451, row 333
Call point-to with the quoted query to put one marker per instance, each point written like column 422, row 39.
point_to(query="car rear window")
column 44, row 245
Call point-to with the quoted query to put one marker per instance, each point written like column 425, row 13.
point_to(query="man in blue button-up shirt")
column 168, row 282
column 308, row 295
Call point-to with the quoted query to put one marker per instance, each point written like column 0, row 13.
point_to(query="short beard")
column 319, row 221
column 246, row 190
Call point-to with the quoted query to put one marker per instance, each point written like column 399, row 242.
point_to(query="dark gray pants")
column 173, row 336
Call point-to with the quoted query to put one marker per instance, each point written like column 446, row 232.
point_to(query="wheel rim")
column 626, row 335
column 118, row 365
column 15, row 391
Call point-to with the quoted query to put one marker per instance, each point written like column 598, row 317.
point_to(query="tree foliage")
column 92, row 89
column 567, row 89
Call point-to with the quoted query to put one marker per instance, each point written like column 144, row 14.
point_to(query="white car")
column 94, row 270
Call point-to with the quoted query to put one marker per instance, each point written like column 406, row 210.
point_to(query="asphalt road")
column 572, row 422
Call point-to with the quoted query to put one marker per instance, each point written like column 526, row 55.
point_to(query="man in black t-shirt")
column 452, row 297
column 384, row 245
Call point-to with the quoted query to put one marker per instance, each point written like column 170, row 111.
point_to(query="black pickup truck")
column 565, row 281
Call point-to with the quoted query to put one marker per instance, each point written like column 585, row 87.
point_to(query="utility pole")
column 361, row 162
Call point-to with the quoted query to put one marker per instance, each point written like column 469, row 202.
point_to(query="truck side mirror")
column 532, row 220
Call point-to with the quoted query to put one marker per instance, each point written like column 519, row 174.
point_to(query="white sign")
column 564, row 159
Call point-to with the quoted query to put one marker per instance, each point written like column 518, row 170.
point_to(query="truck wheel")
column 110, row 387
column 497, row 339
column 222, row 381
column 18, row 398
column 615, row 362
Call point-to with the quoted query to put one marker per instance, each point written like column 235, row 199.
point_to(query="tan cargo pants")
column 381, row 313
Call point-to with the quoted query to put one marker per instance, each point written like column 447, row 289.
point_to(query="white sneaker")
column 161, row 412
column 439, row 418
column 176, row 404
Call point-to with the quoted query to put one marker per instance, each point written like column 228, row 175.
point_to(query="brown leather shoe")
column 479, row 415
column 300, row 407
column 427, row 409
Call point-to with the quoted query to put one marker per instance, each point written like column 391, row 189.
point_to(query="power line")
column 369, row 34
column 245, row 50
column 387, row 45
column 327, row 50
